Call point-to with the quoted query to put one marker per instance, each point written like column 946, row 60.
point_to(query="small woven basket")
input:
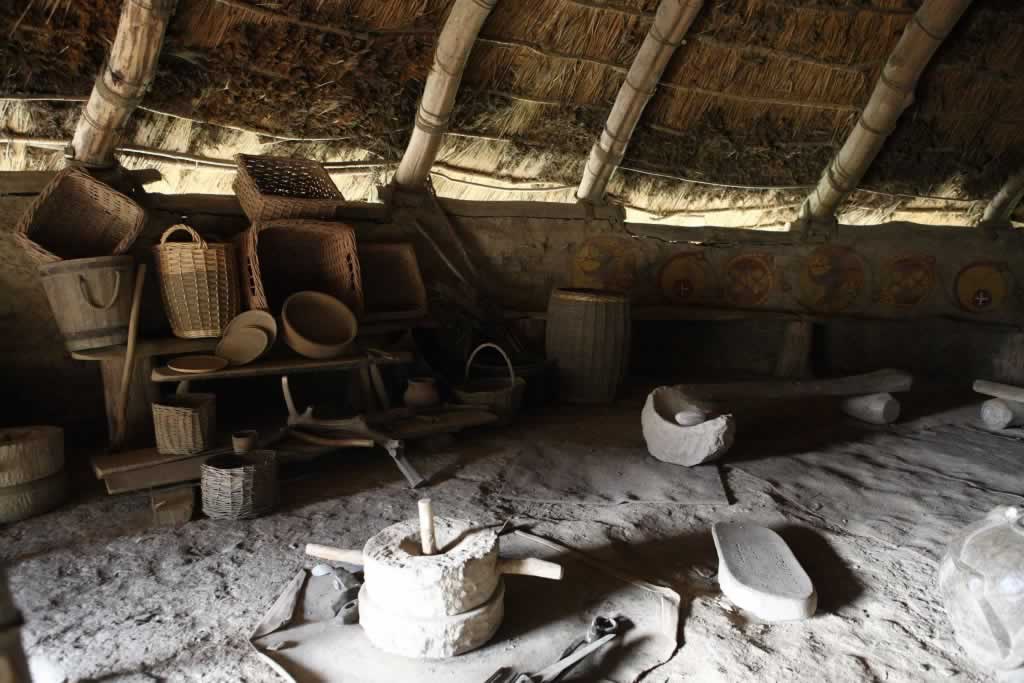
column 199, row 283
column 77, row 216
column 240, row 486
column 284, row 257
column 185, row 423
column 271, row 188
column 500, row 396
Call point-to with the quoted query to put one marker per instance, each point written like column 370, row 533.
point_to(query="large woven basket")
column 240, row 486
column 77, row 216
column 501, row 396
column 185, row 423
column 199, row 283
column 30, row 453
column 271, row 188
column 285, row 257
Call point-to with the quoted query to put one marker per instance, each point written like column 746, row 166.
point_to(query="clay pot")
column 421, row 394
column 317, row 325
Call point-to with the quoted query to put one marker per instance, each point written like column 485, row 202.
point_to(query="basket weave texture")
column 30, row 453
column 284, row 257
column 185, row 423
column 199, row 284
column 503, row 397
column 77, row 216
column 271, row 188
column 240, row 486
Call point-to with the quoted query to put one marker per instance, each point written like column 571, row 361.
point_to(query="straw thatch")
column 762, row 94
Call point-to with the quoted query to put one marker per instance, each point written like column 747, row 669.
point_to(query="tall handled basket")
column 199, row 284
column 498, row 395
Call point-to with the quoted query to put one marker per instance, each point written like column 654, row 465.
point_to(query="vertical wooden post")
column 124, row 79
column 794, row 360
column 671, row 22
column 435, row 110
column 893, row 93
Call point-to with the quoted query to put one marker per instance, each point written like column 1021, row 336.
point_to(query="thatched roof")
column 761, row 95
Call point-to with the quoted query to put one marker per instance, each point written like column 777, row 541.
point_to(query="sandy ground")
column 109, row 598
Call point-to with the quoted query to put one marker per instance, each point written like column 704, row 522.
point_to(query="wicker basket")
column 77, row 216
column 240, row 486
column 199, row 283
column 271, row 188
column 30, row 453
column 284, row 257
column 185, row 423
column 500, row 396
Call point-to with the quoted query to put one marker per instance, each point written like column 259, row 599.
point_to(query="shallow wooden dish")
column 317, row 325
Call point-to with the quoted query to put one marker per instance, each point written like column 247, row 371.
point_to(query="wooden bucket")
column 91, row 298
column 588, row 334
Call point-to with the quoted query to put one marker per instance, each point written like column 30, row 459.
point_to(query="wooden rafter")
column 671, row 22
column 124, row 79
column 893, row 93
column 435, row 110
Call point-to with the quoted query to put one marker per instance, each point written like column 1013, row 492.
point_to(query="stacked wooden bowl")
column 32, row 477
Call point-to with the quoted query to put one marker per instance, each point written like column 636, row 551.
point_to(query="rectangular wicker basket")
column 288, row 256
column 185, row 423
column 239, row 486
column 77, row 216
column 272, row 188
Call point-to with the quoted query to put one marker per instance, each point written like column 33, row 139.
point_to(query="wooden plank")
column 288, row 366
column 126, row 461
column 173, row 472
column 149, row 348
column 227, row 205
column 32, row 182
column 878, row 382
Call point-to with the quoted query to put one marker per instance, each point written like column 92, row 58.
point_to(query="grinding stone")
column 759, row 573
column 404, row 581
column 436, row 638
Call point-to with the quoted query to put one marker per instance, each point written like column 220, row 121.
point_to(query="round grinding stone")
column 436, row 638
column 460, row 577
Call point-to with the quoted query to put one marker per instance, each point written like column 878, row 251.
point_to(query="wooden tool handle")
column 121, row 420
column 428, row 541
column 326, row 552
column 531, row 566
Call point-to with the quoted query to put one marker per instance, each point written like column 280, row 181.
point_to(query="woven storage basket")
column 33, row 497
column 30, row 453
column 271, row 188
column 240, row 486
column 285, row 257
column 503, row 397
column 199, row 283
column 77, row 216
column 185, row 423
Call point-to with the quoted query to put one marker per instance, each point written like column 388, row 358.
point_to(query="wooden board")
column 127, row 461
column 173, row 472
column 880, row 381
column 33, row 182
column 1007, row 392
column 148, row 348
column 288, row 366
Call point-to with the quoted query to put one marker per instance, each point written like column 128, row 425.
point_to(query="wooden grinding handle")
column 326, row 552
column 531, row 566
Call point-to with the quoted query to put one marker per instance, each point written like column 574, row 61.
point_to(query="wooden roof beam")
column 671, row 22
column 123, row 81
column 435, row 110
column 1002, row 206
column 893, row 93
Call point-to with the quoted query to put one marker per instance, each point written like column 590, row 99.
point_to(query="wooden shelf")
column 281, row 366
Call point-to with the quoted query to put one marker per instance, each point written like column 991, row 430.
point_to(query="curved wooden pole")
column 125, row 78
column 435, row 110
column 671, row 22
column 893, row 93
column 1002, row 206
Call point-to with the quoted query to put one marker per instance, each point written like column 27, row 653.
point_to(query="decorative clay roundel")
column 684, row 278
column 982, row 287
column 907, row 280
column 832, row 279
column 607, row 263
column 749, row 279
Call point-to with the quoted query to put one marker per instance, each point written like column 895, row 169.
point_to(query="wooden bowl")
column 317, row 325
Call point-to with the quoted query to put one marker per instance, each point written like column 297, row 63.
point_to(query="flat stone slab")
column 760, row 574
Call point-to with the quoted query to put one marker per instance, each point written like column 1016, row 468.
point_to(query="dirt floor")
column 867, row 510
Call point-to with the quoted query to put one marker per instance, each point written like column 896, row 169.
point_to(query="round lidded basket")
column 240, row 486
column 503, row 397
column 185, row 423
column 199, row 283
